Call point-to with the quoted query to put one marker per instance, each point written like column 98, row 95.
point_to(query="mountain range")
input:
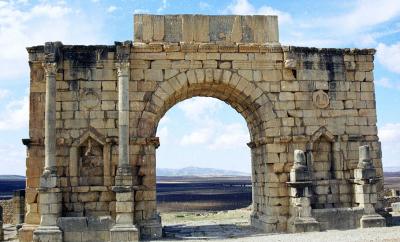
column 12, row 177
column 198, row 171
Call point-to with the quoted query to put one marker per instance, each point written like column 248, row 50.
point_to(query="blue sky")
column 219, row 141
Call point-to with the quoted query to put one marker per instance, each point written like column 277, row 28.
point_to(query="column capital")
column 123, row 50
column 122, row 68
column 50, row 68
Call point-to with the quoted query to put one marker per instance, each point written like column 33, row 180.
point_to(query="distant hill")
column 11, row 177
column 391, row 169
column 198, row 171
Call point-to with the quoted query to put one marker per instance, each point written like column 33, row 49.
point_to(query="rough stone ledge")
column 354, row 51
column 234, row 48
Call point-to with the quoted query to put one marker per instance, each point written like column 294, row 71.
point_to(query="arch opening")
column 242, row 95
column 201, row 173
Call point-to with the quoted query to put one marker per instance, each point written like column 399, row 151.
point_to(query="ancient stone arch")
column 244, row 96
column 95, row 112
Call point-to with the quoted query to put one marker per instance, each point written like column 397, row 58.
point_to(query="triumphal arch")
column 94, row 112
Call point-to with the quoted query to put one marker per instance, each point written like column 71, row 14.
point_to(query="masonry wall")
column 319, row 100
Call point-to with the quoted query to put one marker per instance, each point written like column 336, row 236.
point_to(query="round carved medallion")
column 320, row 99
column 90, row 99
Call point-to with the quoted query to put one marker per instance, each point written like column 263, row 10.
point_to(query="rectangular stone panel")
column 206, row 28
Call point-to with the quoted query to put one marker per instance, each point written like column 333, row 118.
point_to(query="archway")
column 203, row 170
column 245, row 97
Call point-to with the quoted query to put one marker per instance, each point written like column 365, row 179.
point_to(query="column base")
column 124, row 233
column 372, row 220
column 298, row 225
column 47, row 234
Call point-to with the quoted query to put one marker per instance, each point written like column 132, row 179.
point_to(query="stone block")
column 72, row 224
column 153, row 75
column 234, row 56
column 374, row 220
column 124, row 207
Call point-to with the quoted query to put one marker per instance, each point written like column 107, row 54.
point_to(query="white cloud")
column 15, row 115
column 361, row 26
column 46, row 21
column 231, row 136
column 111, row 9
column 4, row 93
column 368, row 13
column 387, row 83
column 163, row 135
column 199, row 108
column 14, row 162
column 204, row 5
column 200, row 136
column 140, row 11
column 163, row 6
column 389, row 135
column 244, row 7
column 389, row 56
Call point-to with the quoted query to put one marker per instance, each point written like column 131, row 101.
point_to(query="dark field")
column 392, row 180
column 183, row 193
column 202, row 193
column 7, row 187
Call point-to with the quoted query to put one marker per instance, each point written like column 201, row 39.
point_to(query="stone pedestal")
column 365, row 190
column 50, row 199
column 122, row 233
column 50, row 209
column 301, row 219
column 47, row 234
column 124, row 230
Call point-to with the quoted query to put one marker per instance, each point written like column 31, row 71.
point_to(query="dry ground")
column 233, row 225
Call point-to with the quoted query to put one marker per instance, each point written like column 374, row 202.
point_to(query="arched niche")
column 90, row 160
column 321, row 157
column 320, row 152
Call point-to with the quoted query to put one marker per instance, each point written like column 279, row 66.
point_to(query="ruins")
column 1, row 224
column 94, row 112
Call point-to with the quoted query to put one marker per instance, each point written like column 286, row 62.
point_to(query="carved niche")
column 320, row 150
column 90, row 160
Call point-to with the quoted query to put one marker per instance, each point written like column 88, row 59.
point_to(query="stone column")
column 123, row 113
column 124, row 229
column 300, row 219
column 365, row 189
column 50, row 119
column 49, row 193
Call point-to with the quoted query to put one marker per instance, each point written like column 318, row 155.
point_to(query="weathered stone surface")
column 204, row 28
column 106, row 97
